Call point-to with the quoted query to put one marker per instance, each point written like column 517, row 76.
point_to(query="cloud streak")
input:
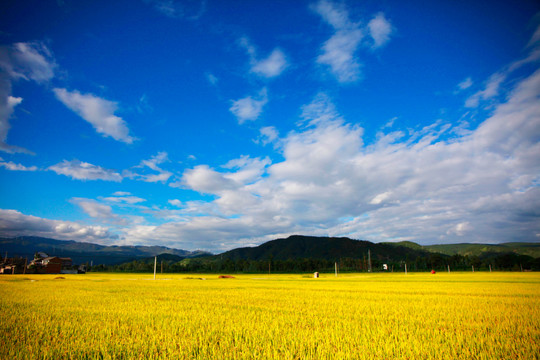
column 152, row 164
column 98, row 112
column 30, row 61
column 10, row 165
column 80, row 170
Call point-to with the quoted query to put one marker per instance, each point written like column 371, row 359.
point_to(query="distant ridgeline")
column 82, row 253
column 294, row 254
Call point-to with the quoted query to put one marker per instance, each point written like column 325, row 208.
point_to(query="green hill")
column 529, row 249
column 324, row 248
column 467, row 249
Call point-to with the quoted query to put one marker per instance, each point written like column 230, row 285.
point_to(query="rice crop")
column 354, row 316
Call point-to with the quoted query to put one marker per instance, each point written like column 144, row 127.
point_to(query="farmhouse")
column 12, row 265
column 50, row 264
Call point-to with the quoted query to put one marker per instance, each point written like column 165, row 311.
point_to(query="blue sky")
column 217, row 124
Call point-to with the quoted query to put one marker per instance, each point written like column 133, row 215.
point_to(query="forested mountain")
column 322, row 248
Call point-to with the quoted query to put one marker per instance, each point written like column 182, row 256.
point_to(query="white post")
column 489, row 267
column 449, row 269
column 405, row 268
column 336, row 268
column 155, row 265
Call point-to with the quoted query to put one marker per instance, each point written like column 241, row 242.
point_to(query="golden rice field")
column 355, row 316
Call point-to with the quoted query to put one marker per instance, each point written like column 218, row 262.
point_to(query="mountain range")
column 293, row 247
column 82, row 252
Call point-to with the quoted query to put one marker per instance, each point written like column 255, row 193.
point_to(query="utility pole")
column 155, row 265
column 162, row 266
column 369, row 260
column 336, row 268
column 364, row 262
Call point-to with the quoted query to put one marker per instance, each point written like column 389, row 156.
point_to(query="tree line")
column 435, row 261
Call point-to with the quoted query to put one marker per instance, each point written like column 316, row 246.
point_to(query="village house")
column 45, row 264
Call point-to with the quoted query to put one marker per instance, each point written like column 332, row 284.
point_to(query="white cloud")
column 206, row 180
column 247, row 169
column 16, row 167
column 7, row 105
column 212, row 79
column 31, row 61
column 535, row 38
column 460, row 229
column 98, row 112
column 268, row 134
column 272, row 66
column 15, row 223
column 333, row 13
column 491, row 90
column 249, row 108
column 430, row 186
column 380, row 30
column 248, row 46
column 338, row 51
column 124, row 199
column 269, row 67
column 175, row 202
column 380, row 198
column 152, row 164
column 84, row 171
column 494, row 83
column 191, row 10
column 121, row 193
column 94, row 209
column 101, row 212
column 321, row 111
column 465, row 84
column 242, row 172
